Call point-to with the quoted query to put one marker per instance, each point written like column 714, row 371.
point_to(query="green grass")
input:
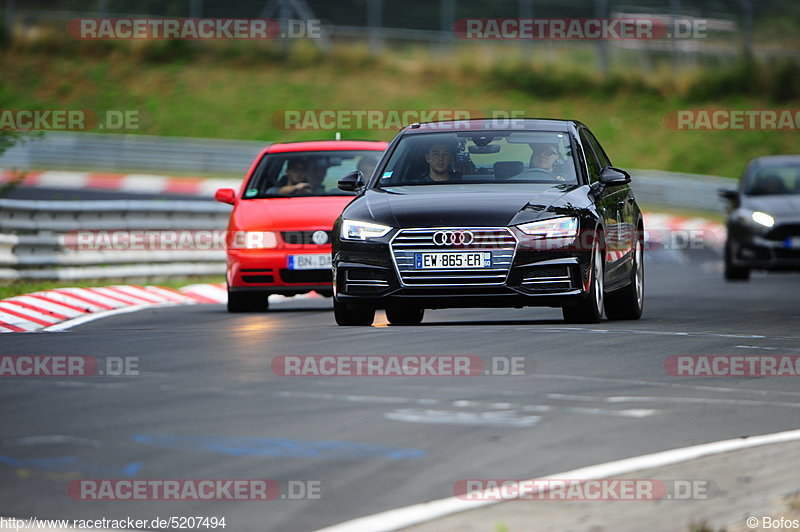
column 16, row 288
column 235, row 93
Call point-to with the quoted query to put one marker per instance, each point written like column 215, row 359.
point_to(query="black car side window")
column 602, row 158
column 591, row 158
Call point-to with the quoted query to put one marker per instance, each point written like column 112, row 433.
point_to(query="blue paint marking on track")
column 69, row 464
column 278, row 447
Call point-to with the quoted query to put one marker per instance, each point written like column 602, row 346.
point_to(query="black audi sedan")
column 764, row 218
column 490, row 213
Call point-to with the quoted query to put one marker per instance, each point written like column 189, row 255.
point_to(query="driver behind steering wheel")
column 544, row 159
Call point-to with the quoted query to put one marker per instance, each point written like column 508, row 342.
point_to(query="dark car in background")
column 486, row 213
column 764, row 218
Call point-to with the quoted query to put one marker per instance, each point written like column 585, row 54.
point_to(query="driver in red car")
column 295, row 181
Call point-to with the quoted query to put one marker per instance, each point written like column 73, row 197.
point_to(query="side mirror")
column 730, row 195
column 610, row 176
column 352, row 181
column 225, row 195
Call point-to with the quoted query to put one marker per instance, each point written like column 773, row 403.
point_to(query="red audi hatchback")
column 279, row 233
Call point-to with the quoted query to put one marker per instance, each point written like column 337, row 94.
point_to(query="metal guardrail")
column 33, row 234
column 35, row 239
column 109, row 153
column 686, row 191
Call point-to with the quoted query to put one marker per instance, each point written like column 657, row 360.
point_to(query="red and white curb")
column 682, row 232
column 48, row 309
column 63, row 308
column 667, row 231
column 135, row 183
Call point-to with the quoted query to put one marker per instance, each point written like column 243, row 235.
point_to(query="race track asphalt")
column 206, row 403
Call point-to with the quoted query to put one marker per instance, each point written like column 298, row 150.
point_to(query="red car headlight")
column 254, row 240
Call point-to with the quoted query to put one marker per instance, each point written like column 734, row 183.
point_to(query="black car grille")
column 258, row 278
column 499, row 241
column 303, row 237
column 790, row 254
column 365, row 281
column 782, row 232
column 306, row 276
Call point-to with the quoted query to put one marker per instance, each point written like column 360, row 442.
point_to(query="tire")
column 734, row 273
column 405, row 314
column 248, row 301
column 590, row 307
column 352, row 314
column 628, row 303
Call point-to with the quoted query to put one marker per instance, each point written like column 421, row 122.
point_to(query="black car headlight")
column 757, row 219
column 357, row 230
column 565, row 227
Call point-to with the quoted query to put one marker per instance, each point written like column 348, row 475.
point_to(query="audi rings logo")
column 453, row 238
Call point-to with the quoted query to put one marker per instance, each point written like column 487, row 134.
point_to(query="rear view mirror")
column 480, row 150
column 730, row 195
column 611, row 176
column 351, row 181
column 225, row 195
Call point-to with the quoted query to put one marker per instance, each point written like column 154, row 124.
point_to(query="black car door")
column 613, row 205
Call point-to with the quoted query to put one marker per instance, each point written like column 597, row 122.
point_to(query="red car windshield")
column 292, row 174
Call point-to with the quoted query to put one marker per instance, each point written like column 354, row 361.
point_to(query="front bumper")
column 266, row 270
column 772, row 251
column 554, row 276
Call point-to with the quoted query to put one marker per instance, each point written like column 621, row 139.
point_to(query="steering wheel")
column 534, row 171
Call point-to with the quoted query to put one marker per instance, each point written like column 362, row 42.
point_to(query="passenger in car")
column 545, row 157
column 295, row 181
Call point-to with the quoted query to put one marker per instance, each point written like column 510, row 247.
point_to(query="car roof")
column 327, row 145
column 775, row 159
column 514, row 124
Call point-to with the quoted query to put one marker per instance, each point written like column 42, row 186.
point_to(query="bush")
column 742, row 78
column 784, row 84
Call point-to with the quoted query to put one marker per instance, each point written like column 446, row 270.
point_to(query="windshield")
column 774, row 180
column 481, row 157
column 307, row 173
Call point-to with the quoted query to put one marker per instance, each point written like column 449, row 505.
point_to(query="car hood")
column 784, row 206
column 312, row 212
column 458, row 205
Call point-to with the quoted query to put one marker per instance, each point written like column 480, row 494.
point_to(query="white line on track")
column 461, row 403
column 766, row 348
column 663, row 399
column 612, row 380
column 428, row 511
